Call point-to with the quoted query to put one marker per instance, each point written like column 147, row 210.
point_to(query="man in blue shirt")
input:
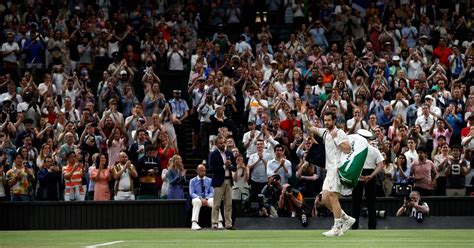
column 179, row 108
column 378, row 104
column 201, row 193
column 33, row 48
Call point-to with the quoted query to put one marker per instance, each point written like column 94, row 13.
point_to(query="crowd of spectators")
column 82, row 109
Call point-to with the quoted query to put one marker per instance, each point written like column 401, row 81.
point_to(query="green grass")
column 224, row 239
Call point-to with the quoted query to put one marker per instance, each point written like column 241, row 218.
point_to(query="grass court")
column 238, row 238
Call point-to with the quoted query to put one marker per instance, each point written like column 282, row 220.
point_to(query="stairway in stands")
column 190, row 159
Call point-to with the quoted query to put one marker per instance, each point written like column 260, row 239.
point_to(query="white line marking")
column 104, row 244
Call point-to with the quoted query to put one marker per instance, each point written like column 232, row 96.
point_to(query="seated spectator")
column 124, row 173
column 414, row 207
column 201, row 193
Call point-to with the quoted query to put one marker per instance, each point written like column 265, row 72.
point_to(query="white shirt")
column 333, row 153
column 12, row 58
column 251, row 148
column 7, row 95
column 273, row 164
column 224, row 158
column 42, row 88
column 198, row 97
column 414, row 69
column 206, row 111
column 433, row 109
column 340, row 104
column 74, row 115
column 58, row 82
column 242, row 46
column 71, row 94
column 259, row 171
column 124, row 181
column 317, row 90
column 425, row 122
column 176, row 62
column 400, row 109
column 351, row 122
column 373, row 158
column 279, row 86
column 412, row 157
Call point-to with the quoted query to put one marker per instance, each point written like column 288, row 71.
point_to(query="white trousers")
column 197, row 204
column 124, row 196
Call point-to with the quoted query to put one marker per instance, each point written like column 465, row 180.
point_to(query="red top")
column 443, row 54
column 165, row 157
column 288, row 126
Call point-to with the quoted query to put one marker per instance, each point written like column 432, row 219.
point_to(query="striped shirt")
column 75, row 180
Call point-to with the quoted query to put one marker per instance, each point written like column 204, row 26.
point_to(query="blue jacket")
column 216, row 166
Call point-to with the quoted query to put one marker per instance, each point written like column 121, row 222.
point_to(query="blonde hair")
column 172, row 165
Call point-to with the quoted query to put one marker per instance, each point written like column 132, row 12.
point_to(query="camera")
column 253, row 204
column 380, row 214
column 304, row 219
column 289, row 189
column 419, row 217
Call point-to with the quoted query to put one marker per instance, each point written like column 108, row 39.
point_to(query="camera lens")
column 419, row 217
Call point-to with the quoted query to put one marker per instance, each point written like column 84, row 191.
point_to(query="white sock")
column 338, row 222
column 344, row 216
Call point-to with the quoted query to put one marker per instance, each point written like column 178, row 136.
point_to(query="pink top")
column 436, row 133
column 422, row 173
column 101, row 187
column 114, row 150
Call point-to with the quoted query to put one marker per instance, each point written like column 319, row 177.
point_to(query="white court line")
column 104, row 244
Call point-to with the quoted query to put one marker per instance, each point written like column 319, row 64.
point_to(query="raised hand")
column 303, row 107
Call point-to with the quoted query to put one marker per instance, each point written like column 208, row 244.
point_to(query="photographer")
column 291, row 204
column 269, row 198
column 413, row 207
